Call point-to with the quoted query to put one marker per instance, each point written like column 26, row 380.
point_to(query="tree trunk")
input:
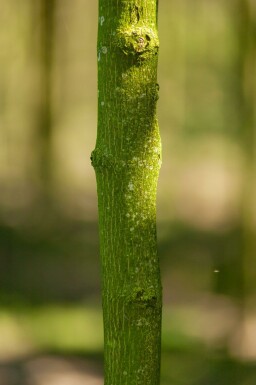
column 243, row 280
column 248, row 98
column 46, row 43
column 127, row 159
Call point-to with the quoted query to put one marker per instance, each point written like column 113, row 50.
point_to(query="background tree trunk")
column 127, row 159
column 240, row 284
column 46, row 53
column 248, row 99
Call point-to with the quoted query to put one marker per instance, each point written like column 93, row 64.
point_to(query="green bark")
column 246, row 63
column 46, row 43
column 127, row 159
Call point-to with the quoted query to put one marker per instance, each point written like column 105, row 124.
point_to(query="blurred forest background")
column 50, row 307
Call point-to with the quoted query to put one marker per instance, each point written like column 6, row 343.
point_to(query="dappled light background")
column 50, row 306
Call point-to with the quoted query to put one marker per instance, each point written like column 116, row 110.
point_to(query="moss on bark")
column 127, row 159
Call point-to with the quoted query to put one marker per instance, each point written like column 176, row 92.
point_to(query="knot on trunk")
column 100, row 158
column 141, row 42
column 144, row 297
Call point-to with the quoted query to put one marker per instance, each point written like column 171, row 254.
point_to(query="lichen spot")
column 102, row 19
column 104, row 50
column 130, row 186
column 102, row 103
column 124, row 373
column 139, row 323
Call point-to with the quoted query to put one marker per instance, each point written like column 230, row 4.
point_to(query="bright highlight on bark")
column 127, row 158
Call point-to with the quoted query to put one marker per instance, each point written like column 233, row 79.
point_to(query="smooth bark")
column 45, row 113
